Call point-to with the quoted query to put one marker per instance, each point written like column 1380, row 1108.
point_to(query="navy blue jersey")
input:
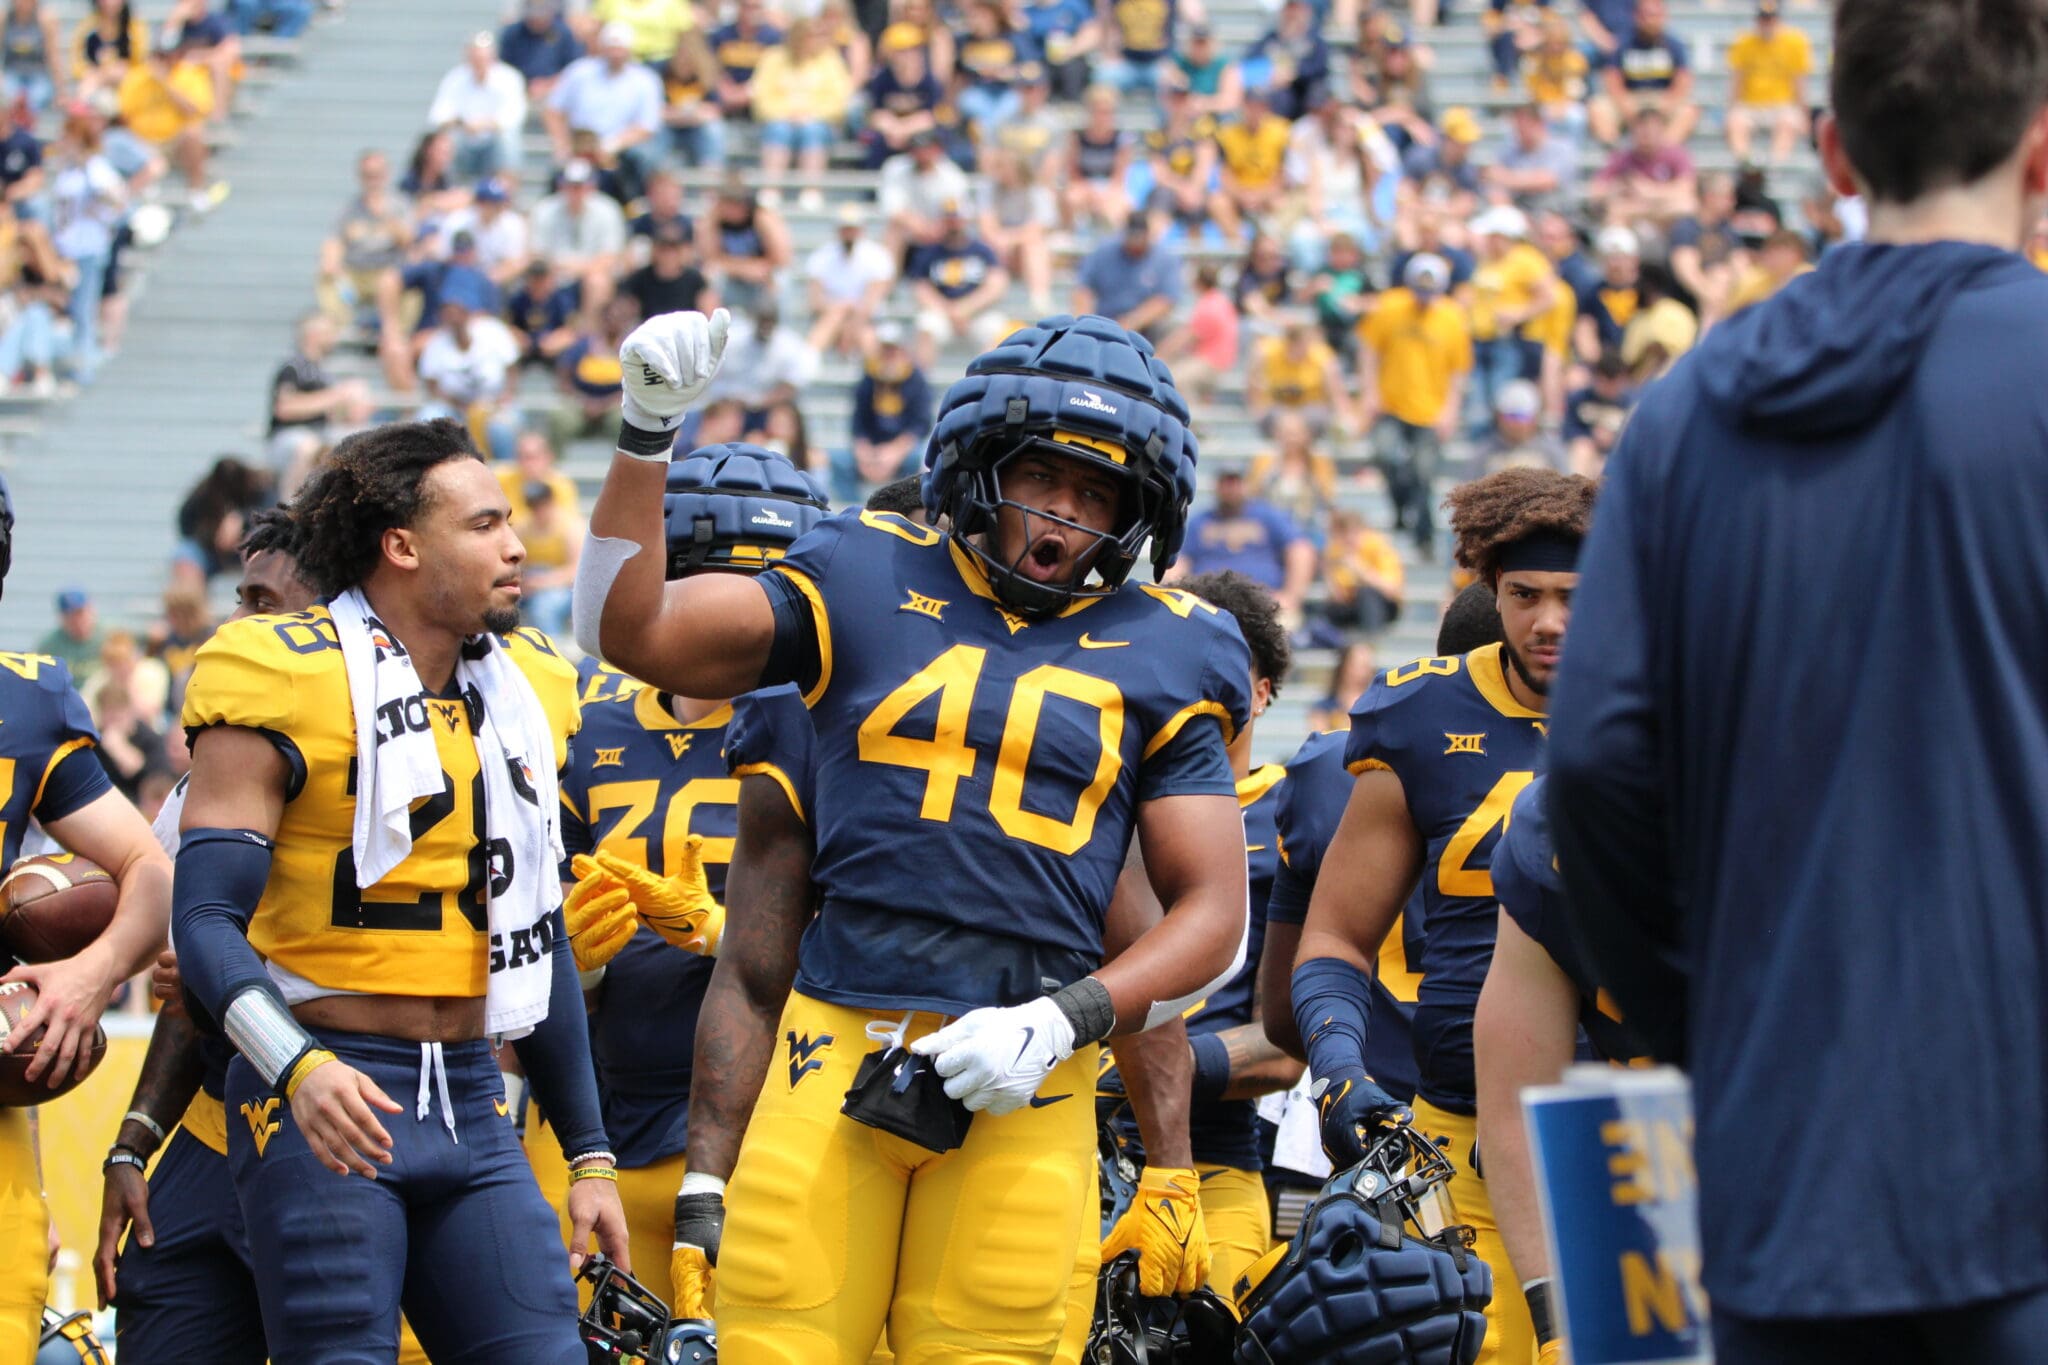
column 639, row 783
column 1525, row 878
column 979, row 772
column 1312, row 801
column 46, row 723
column 1463, row 748
column 1226, row 1131
column 599, row 681
column 770, row 734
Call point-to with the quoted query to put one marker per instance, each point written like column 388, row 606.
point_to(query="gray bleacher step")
column 97, row 489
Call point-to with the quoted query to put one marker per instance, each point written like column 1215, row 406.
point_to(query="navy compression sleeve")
column 220, row 877
column 556, row 1056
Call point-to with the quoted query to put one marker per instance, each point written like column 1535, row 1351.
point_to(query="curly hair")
column 1257, row 616
column 369, row 483
column 905, row 497
column 1512, row 505
column 267, row 530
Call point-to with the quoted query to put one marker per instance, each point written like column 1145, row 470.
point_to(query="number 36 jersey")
column 422, row 930
column 978, row 772
column 1463, row 748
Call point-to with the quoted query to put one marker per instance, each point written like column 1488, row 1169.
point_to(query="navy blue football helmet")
column 1082, row 388
column 1363, row 1280
column 736, row 507
column 68, row 1339
column 625, row 1318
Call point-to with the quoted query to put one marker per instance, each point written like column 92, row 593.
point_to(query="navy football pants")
column 189, row 1299
column 2010, row 1331
column 455, row 1227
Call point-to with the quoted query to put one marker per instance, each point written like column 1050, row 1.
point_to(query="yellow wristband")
column 303, row 1067
column 593, row 1173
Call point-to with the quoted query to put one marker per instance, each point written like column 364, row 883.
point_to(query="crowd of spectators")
column 1363, row 290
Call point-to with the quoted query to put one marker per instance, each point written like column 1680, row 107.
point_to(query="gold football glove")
column 599, row 913
column 1164, row 1223
column 1551, row 1353
column 689, row 1278
column 679, row 908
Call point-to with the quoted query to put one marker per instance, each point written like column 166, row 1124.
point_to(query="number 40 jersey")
column 1463, row 748
column 979, row 771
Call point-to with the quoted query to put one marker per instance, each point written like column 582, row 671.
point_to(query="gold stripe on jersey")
column 781, row 779
column 57, row 755
column 1179, row 719
column 823, row 620
column 423, row 929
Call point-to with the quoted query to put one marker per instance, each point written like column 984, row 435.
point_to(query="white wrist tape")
column 1163, row 1011
column 596, row 571
column 700, row 1182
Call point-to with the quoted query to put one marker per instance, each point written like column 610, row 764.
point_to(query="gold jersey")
column 422, row 929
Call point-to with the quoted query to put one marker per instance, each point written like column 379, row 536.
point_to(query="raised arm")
column 706, row 636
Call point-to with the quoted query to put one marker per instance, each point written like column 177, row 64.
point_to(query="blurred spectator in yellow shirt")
column 1362, row 575
column 801, row 91
column 165, row 100
column 1419, row 350
column 1294, row 476
column 1254, row 151
column 656, row 25
column 1782, row 260
column 1769, row 65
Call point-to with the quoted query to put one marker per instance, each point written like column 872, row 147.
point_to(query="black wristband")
column 1537, row 1293
column 1087, row 1007
column 640, row 441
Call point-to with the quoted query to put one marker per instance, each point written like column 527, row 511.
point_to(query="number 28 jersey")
column 978, row 772
column 423, row 929
column 1463, row 748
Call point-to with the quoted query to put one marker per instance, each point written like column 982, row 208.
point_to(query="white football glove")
column 995, row 1059
column 665, row 364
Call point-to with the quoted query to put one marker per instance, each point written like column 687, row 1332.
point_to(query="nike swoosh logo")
column 1255, row 848
column 1041, row 1101
column 1087, row 643
column 1210, row 1175
column 1029, row 1034
column 502, row 1108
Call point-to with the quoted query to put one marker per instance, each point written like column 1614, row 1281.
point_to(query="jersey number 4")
column 1453, row 877
column 947, row 758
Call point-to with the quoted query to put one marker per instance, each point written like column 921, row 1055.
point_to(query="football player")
column 1440, row 749
column 996, row 715
column 182, row 1287
column 334, row 993
column 1311, row 803
column 1538, row 1010
column 649, row 819
column 49, row 773
column 1233, row 1063
column 770, row 746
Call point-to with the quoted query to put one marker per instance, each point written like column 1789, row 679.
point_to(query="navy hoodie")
column 1799, row 776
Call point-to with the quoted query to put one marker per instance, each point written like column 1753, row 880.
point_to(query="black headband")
column 1541, row 552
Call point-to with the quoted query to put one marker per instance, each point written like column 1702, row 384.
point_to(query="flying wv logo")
column 678, row 745
column 803, row 1055
column 262, row 1126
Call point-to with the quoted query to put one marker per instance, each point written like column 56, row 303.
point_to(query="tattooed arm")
column 769, row 900
column 171, row 1070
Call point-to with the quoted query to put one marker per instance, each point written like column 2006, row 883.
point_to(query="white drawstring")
column 434, row 1074
column 880, row 1030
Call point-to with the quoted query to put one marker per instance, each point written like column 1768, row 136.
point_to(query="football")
column 17, row 998
column 51, row 907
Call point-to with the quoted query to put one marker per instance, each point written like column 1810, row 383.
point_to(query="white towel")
column 397, row 765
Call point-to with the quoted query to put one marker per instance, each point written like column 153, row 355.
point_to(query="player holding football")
column 48, row 772
column 1441, row 747
column 966, row 859
column 335, row 992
